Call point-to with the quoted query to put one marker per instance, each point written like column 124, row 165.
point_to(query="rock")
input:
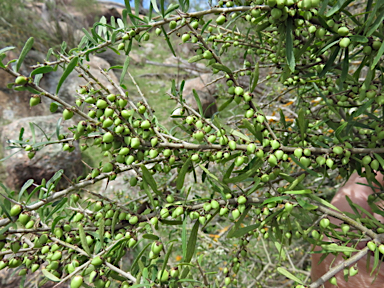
column 73, row 82
column 205, row 93
column 47, row 161
column 148, row 48
column 15, row 104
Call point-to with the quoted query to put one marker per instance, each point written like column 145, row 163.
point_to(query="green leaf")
column 247, row 174
column 166, row 258
column 182, row 173
column 55, row 178
column 289, row 46
column 25, row 187
column 114, row 221
column 184, row 238
column 5, row 49
column 380, row 159
column 89, row 36
column 149, row 194
column 198, row 102
column 167, row 38
column 149, row 179
column 139, row 255
column 151, row 237
column 298, row 192
column 378, row 56
column 254, row 78
column 125, row 69
column 242, row 231
column 330, row 61
column 154, row 4
column 375, row 261
column 323, row 202
column 358, row 38
column 195, row 58
column 222, row 67
column 184, row 5
column 57, row 208
column 362, row 109
column 101, row 231
column 340, row 4
column 345, row 68
column 42, row 70
column 333, row 248
column 28, row 45
column 50, row 276
column 83, row 239
column 67, row 71
column 287, row 274
column 226, row 103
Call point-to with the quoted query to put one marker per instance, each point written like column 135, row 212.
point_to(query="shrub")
column 259, row 166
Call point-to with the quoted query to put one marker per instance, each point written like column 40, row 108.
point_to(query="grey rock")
column 73, row 82
column 47, row 161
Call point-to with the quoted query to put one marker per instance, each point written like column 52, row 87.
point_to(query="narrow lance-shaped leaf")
column 83, row 239
column 25, row 187
column 378, row 56
column 255, row 77
column 181, row 177
column 289, row 46
column 198, row 102
column 28, row 45
column 66, row 73
column 125, row 69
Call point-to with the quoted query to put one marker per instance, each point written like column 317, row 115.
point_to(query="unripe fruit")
column 371, row 245
column 157, row 247
column 97, row 261
column 235, row 214
column 320, row 160
column 366, row 160
column 338, row 150
column 172, row 25
column 67, row 114
column 77, row 281
column 343, row 31
column 133, row 220
column 272, row 160
column 34, row 100
column 232, row 145
column 185, row 37
column 108, row 137
column 333, row 281
column 239, row 91
column 376, row 45
column 101, row 104
column 21, row 80
column 324, row 223
column 329, row 163
column 107, row 167
column 344, row 43
column 207, row 54
column 298, row 152
column 135, row 142
column 15, row 210
column 239, row 161
column 220, row 20
column 162, row 277
column 241, row 200
column 24, row 218
column 121, row 46
column 375, row 164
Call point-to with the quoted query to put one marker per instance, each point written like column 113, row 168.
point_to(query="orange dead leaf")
column 288, row 104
